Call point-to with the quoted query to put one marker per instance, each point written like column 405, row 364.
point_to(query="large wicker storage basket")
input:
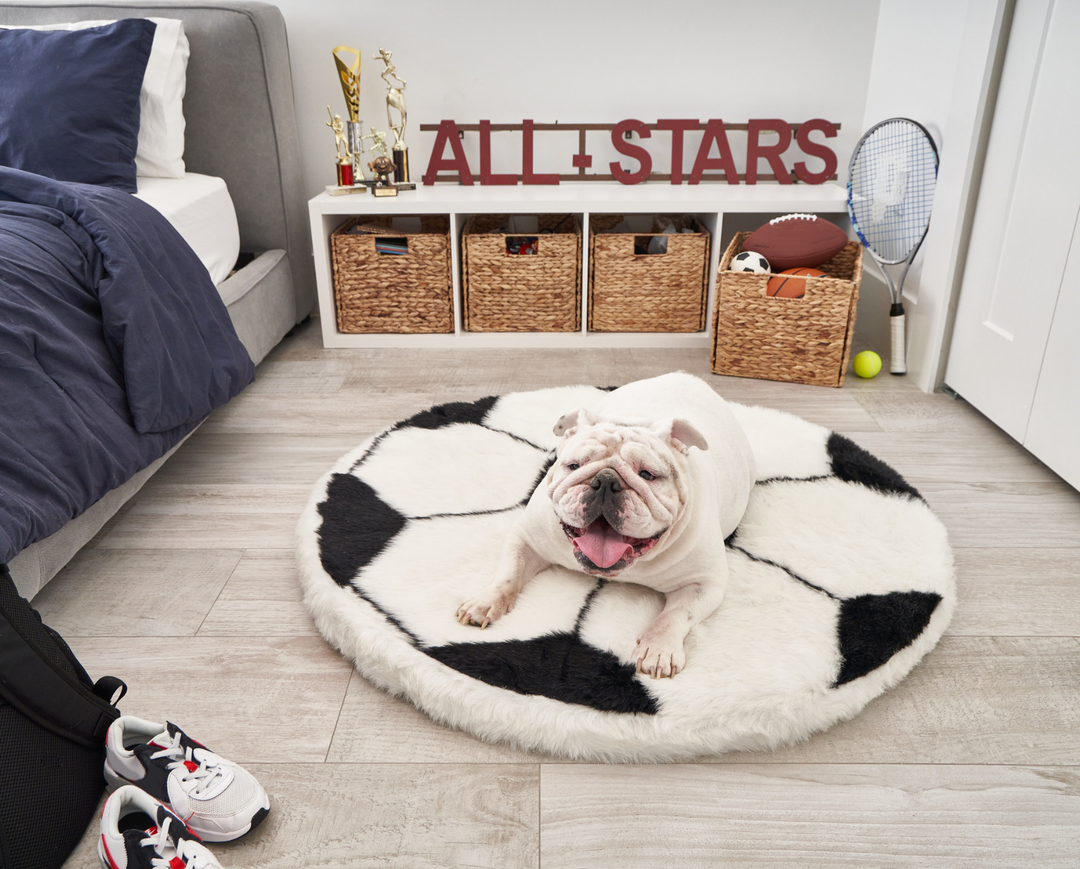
column 380, row 291
column 511, row 292
column 805, row 340
column 632, row 292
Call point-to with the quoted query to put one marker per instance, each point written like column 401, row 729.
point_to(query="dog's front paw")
column 485, row 608
column 659, row 656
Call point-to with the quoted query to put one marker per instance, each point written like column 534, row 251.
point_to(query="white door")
column 1019, row 290
column 1054, row 428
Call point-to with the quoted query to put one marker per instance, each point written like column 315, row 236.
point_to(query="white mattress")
column 200, row 208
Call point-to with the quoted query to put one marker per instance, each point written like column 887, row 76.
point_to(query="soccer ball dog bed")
column 841, row 579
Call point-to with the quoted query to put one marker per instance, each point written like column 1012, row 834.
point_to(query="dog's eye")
column 573, row 466
column 646, row 475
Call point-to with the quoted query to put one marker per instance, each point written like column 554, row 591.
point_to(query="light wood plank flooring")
column 190, row 595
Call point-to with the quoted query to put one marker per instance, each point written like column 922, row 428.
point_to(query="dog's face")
column 618, row 490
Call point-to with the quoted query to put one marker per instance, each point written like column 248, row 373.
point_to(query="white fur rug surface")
column 841, row 579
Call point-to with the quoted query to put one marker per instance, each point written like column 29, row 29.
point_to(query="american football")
column 796, row 240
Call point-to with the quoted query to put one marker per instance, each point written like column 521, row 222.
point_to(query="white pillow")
column 161, row 101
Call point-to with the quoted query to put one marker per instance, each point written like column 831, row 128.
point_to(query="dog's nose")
column 608, row 480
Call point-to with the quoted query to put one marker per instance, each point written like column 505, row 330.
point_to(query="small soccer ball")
column 867, row 363
column 749, row 261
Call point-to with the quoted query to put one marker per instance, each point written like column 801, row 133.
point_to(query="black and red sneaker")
column 217, row 798
column 138, row 832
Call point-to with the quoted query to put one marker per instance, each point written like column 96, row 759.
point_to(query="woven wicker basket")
column 629, row 292
column 508, row 292
column 805, row 340
column 381, row 292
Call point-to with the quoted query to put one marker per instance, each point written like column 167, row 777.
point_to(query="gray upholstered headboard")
column 241, row 119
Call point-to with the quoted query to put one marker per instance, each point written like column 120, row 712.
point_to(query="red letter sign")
column 811, row 149
column 448, row 132
column 485, row 159
column 527, row 174
column 677, row 129
column 635, row 151
column 755, row 150
column 714, row 132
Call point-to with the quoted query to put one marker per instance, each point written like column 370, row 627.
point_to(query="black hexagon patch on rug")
column 453, row 412
column 853, row 464
column 559, row 666
column 356, row 526
column 874, row 627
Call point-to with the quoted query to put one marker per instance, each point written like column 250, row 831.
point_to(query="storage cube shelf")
column 640, row 281
column 392, row 282
column 798, row 340
column 504, row 291
column 707, row 203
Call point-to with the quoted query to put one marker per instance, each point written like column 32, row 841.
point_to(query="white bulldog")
column 647, row 484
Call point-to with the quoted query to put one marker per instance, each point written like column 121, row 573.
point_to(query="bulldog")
column 646, row 485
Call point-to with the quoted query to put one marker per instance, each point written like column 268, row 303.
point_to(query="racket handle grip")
column 897, row 356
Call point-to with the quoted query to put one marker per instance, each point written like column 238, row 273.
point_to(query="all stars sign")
column 714, row 160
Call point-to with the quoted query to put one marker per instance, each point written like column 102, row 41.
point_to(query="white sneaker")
column 138, row 832
column 215, row 797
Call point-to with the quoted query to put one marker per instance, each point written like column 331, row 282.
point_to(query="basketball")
column 786, row 286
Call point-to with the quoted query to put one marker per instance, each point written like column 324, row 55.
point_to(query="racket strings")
column 892, row 181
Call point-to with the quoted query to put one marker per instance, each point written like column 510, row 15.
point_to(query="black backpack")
column 53, row 720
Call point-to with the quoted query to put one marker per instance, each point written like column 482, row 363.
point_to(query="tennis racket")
column 891, row 180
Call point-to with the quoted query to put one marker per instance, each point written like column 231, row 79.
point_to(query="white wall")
column 850, row 61
column 583, row 61
column 938, row 75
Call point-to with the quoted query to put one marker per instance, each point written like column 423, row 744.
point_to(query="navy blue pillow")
column 69, row 101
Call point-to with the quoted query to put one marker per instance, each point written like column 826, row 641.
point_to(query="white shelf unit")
column 708, row 202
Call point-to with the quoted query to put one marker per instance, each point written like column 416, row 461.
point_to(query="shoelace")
column 204, row 772
column 185, row 854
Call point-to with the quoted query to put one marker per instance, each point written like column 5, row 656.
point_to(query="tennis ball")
column 867, row 363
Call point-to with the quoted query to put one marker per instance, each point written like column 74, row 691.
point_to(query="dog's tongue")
column 602, row 544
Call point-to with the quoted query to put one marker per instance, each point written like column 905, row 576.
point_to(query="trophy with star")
column 347, row 61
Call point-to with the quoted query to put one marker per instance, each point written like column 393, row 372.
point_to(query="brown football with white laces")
column 796, row 240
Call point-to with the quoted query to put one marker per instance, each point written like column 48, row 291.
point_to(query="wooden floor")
column 191, row 596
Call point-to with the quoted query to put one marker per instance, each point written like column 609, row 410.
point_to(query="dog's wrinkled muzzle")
column 604, row 498
column 606, row 483
column 598, row 544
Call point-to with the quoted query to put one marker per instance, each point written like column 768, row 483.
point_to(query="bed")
column 187, row 306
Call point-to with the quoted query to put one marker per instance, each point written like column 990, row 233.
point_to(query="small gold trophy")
column 382, row 165
column 341, row 145
column 349, row 75
column 395, row 100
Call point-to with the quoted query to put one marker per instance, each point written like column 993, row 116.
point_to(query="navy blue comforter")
column 114, row 344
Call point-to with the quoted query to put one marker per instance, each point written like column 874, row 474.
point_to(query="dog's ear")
column 569, row 422
column 680, row 434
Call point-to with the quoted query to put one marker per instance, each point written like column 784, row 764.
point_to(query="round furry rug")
column 841, row 580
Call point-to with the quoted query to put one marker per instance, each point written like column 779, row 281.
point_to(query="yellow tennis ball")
column 867, row 363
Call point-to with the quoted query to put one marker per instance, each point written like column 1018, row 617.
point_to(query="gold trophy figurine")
column 378, row 143
column 349, row 76
column 341, row 146
column 382, row 165
column 395, row 99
